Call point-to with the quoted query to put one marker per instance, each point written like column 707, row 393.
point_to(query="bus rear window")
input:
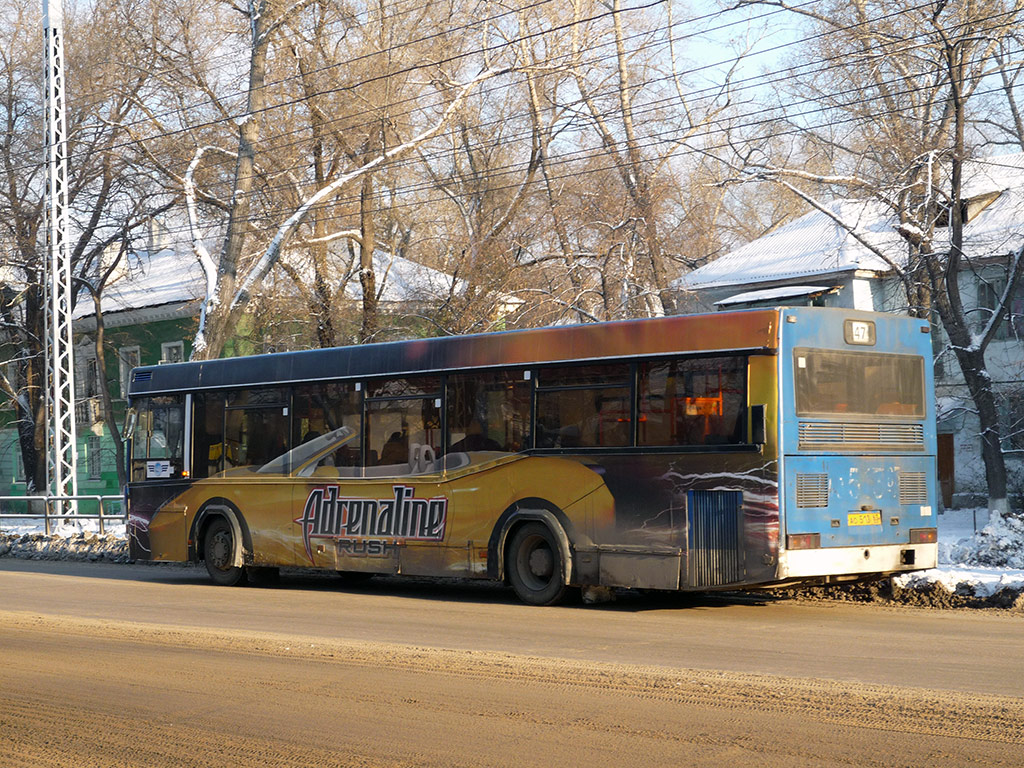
column 834, row 382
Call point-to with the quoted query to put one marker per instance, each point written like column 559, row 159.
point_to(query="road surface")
column 106, row 665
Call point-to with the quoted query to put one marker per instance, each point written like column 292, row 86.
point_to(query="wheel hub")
column 541, row 562
column 221, row 549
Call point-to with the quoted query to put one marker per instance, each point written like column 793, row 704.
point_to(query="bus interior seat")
column 424, row 464
column 569, row 436
column 421, row 459
column 451, row 461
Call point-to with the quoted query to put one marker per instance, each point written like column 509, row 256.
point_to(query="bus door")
column 157, row 526
column 243, row 455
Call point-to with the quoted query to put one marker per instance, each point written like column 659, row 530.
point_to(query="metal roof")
column 815, row 245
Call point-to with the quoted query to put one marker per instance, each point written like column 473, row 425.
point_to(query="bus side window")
column 403, row 417
column 583, row 406
column 488, row 411
column 255, row 427
column 321, row 408
column 693, row 401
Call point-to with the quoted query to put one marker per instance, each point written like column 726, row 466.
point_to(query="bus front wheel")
column 535, row 565
column 219, row 554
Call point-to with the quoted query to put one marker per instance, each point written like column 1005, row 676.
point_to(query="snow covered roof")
column 815, row 244
column 149, row 280
column 768, row 294
column 400, row 279
column 168, row 277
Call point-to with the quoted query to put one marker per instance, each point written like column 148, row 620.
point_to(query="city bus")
column 748, row 449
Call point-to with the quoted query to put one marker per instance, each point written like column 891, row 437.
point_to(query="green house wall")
column 148, row 337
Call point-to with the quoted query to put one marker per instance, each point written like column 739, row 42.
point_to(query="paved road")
column 151, row 666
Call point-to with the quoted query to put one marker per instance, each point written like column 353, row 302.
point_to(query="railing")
column 53, row 507
column 89, row 410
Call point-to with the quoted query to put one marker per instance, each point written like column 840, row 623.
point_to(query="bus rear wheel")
column 219, row 554
column 535, row 565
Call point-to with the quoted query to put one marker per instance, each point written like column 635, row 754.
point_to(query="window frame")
column 124, row 369
column 167, row 346
column 94, row 457
column 800, row 412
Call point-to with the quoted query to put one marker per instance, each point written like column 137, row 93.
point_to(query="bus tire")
column 534, row 565
column 219, row 554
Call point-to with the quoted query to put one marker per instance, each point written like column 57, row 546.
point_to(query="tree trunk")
column 367, row 278
column 638, row 181
column 224, row 317
column 108, row 405
column 971, row 352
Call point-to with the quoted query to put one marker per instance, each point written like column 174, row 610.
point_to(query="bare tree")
column 103, row 197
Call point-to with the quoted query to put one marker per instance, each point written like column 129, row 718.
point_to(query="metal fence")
column 50, row 508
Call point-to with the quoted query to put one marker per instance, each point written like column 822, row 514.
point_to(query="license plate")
column 864, row 518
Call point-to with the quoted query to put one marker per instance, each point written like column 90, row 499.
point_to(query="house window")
column 128, row 358
column 1015, row 312
column 938, row 348
column 91, row 383
column 94, row 455
column 172, row 352
column 11, row 452
column 1011, row 421
column 989, row 293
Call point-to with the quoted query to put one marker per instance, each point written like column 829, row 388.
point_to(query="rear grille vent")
column 716, row 553
column 811, row 490
column 913, row 488
column 818, row 434
column 142, row 375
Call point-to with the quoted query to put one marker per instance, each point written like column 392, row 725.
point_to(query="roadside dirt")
column 90, row 547
column 924, row 596
column 79, row 692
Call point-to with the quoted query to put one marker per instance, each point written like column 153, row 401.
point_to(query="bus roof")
column 750, row 330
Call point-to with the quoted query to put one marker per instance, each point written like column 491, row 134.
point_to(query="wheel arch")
column 208, row 512
column 518, row 514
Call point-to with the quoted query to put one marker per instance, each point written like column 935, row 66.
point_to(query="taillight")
column 924, row 535
column 803, row 541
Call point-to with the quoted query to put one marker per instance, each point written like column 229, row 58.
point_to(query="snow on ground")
column 976, row 558
column 69, row 541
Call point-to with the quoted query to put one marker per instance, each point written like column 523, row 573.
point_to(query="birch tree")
column 346, row 91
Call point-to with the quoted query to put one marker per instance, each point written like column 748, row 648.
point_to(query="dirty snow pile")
column 980, row 563
column 67, row 542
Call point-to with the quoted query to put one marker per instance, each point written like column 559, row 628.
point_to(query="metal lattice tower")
column 61, row 451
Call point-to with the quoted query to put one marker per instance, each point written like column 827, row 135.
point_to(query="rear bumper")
column 836, row 561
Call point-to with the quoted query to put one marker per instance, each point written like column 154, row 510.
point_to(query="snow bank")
column 981, row 563
column 81, row 541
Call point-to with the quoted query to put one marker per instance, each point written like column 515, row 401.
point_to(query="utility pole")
column 61, row 449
